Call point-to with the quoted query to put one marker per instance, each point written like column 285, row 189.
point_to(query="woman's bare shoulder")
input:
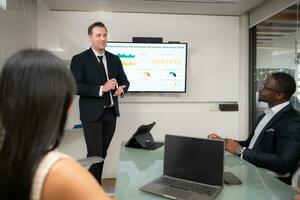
column 67, row 179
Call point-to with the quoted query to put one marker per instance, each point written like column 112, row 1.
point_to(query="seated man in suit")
column 275, row 142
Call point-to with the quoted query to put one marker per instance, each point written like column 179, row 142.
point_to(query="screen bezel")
column 162, row 91
column 182, row 153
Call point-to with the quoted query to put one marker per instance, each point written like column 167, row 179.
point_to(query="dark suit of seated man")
column 275, row 142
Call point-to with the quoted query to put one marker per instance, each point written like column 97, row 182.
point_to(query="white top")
column 270, row 113
column 42, row 171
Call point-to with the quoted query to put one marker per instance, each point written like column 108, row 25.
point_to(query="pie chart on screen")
column 172, row 74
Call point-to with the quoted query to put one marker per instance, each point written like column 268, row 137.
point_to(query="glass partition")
column 277, row 50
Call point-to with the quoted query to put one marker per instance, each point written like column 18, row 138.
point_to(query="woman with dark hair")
column 36, row 91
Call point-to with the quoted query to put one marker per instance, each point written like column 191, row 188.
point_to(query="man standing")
column 100, row 81
column 275, row 142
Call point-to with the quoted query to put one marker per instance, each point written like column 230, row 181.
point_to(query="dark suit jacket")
column 90, row 76
column 278, row 146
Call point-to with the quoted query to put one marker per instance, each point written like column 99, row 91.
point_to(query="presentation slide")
column 153, row 67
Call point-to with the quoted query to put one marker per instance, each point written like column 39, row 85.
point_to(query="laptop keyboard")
column 202, row 189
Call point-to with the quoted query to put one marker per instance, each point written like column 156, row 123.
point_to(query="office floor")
column 110, row 182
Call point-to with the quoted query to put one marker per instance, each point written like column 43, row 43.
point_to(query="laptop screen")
column 194, row 159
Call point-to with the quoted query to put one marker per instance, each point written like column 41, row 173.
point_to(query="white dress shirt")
column 105, row 67
column 269, row 114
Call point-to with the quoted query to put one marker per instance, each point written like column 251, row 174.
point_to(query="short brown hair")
column 99, row 24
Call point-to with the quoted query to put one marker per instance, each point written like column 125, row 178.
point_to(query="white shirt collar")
column 277, row 108
column 96, row 53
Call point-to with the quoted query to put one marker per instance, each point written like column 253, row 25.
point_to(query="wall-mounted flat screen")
column 153, row 67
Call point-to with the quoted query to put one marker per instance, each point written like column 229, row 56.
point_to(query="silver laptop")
column 193, row 169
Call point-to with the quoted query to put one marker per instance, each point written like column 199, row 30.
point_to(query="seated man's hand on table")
column 230, row 145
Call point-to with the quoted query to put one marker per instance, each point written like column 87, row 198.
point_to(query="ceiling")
column 270, row 32
column 280, row 28
column 204, row 7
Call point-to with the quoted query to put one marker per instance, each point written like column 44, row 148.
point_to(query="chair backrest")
column 296, row 178
column 87, row 162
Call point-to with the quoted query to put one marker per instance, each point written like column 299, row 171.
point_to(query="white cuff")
column 100, row 91
column 241, row 156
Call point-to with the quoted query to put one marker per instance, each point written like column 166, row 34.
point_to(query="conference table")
column 138, row 167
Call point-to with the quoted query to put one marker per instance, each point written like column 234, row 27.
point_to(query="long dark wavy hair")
column 36, row 90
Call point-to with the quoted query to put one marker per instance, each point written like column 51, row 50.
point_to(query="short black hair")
column 285, row 83
column 99, row 24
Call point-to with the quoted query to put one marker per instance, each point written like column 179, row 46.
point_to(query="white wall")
column 243, row 78
column 216, row 58
column 18, row 27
